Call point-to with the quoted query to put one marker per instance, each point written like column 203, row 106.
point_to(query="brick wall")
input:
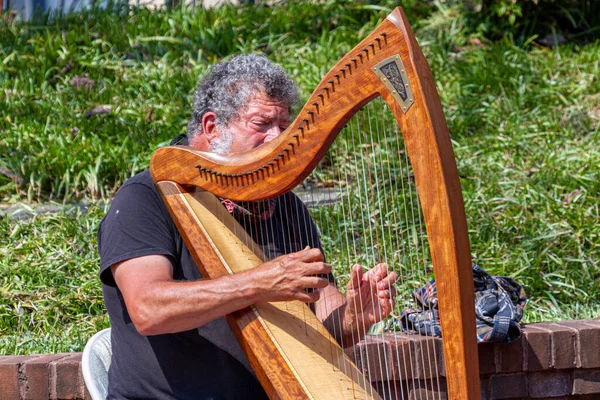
column 550, row 361
column 45, row 376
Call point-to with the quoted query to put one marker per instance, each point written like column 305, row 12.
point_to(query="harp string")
column 342, row 156
column 384, row 166
column 410, row 242
column 370, row 193
column 402, row 241
column 308, row 240
column 388, row 198
column 364, row 253
column 403, row 259
column 372, row 215
column 377, row 211
column 421, row 263
column 430, row 343
column 405, row 262
column 336, row 322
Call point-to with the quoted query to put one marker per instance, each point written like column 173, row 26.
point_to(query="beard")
column 222, row 144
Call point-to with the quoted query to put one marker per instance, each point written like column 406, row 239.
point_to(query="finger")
column 306, row 255
column 356, row 275
column 376, row 273
column 316, row 268
column 373, row 285
column 309, row 254
column 380, row 271
column 314, row 282
column 308, row 297
column 388, row 281
column 386, row 306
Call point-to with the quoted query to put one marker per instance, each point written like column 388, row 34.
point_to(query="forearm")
column 331, row 309
column 175, row 306
column 157, row 304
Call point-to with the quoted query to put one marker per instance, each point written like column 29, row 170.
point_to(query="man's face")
column 262, row 121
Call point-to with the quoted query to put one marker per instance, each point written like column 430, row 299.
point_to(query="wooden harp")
column 290, row 351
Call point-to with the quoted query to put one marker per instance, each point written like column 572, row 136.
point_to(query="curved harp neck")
column 278, row 166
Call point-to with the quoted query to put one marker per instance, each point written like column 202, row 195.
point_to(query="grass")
column 50, row 296
column 525, row 123
column 143, row 68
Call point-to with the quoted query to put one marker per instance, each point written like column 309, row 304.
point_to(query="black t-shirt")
column 203, row 363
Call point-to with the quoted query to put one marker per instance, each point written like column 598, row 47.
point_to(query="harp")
column 406, row 163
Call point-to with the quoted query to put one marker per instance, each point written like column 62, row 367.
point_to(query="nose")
column 272, row 134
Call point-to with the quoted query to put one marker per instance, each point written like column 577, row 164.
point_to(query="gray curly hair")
column 226, row 89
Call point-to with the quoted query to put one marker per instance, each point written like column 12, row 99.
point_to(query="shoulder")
column 137, row 224
column 137, row 200
column 290, row 200
column 136, row 194
column 140, row 183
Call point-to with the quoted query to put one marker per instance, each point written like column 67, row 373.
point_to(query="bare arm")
column 157, row 304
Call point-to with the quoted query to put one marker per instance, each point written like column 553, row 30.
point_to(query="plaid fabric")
column 499, row 303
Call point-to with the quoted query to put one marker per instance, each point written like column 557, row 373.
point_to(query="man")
column 169, row 337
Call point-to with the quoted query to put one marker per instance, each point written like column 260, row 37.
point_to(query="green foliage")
column 525, row 18
column 50, row 294
column 141, row 67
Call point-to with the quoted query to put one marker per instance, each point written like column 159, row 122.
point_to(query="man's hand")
column 288, row 277
column 369, row 298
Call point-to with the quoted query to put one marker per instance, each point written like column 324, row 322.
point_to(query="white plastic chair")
column 95, row 363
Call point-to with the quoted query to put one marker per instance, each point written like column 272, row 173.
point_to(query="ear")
column 209, row 127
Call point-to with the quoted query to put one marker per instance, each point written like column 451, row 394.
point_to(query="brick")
column 487, row 359
column 556, row 398
column 425, row 356
column 417, row 357
column 86, row 394
column 10, row 376
column 66, row 381
column 562, row 345
column 572, row 397
column 509, row 356
column 441, row 361
column 588, row 343
column 549, row 384
column 536, row 349
column 484, row 385
column 508, row 386
column 37, row 373
column 351, row 352
column 404, row 361
column 428, row 389
column 592, row 322
column 583, row 397
column 393, row 390
column 374, row 359
column 586, row 382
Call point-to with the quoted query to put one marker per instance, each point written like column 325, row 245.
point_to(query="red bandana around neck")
column 251, row 210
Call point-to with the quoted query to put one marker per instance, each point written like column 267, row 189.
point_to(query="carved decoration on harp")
column 408, row 89
column 393, row 75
